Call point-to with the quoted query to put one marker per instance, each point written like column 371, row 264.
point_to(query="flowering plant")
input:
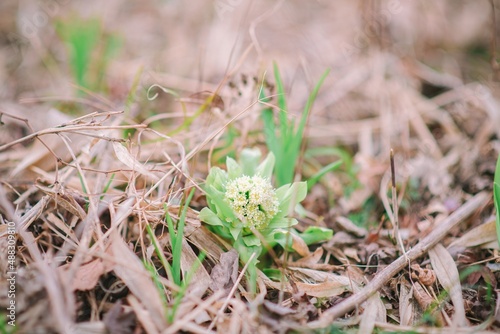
column 244, row 207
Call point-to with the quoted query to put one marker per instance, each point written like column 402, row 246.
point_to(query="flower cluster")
column 253, row 200
column 242, row 199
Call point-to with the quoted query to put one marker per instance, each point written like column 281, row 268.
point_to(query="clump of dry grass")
column 83, row 187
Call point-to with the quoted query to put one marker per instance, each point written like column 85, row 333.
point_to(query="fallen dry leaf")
column 200, row 279
column 425, row 300
column 128, row 160
column 482, row 234
column 298, row 244
column 87, row 275
column 133, row 273
column 65, row 199
column 312, row 258
column 225, row 273
column 119, row 322
column 144, row 317
column 447, row 274
column 350, row 227
column 325, row 289
column 352, row 253
column 406, row 314
column 374, row 312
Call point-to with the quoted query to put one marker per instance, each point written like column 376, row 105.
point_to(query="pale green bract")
column 242, row 199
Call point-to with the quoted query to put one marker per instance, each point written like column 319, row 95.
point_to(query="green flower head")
column 242, row 198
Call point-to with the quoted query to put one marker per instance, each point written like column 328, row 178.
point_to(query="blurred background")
column 48, row 47
column 417, row 76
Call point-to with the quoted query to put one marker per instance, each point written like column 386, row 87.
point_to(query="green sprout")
column 243, row 205
column 285, row 140
column 90, row 48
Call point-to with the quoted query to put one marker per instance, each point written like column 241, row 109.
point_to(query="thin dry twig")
column 70, row 129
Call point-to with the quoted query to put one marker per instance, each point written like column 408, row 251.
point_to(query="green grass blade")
column 131, row 94
column 286, row 128
column 496, row 197
column 269, row 128
column 176, row 274
column 328, row 168
column 189, row 120
column 81, row 37
column 285, row 142
column 111, row 46
column 277, row 140
column 177, row 246
column 159, row 253
column 343, row 155
column 85, row 191
column 294, row 142
column 159, row 286
column 309, row 104
column 106, row 187
column 183, row 287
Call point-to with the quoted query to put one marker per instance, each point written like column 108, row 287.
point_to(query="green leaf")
column 249, row 160
column 343, row 155
column 296, row 191
column 82, row 37
column 316, row 234
column 208, row 216
column 272, row 142
column 176, row 238
column 159, row 251
column 279, row 223
column 281, row 237
column 235, row 232
column 300, row 210
column 222, row 209
column 245, row 251
column 273, row 273
column 221, row 231
column 265, row 169
column 496, row 197
column 234, row 170
column 251, row 240
column 217, row 178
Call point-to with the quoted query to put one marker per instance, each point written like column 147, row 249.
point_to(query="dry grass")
column 84, row 172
